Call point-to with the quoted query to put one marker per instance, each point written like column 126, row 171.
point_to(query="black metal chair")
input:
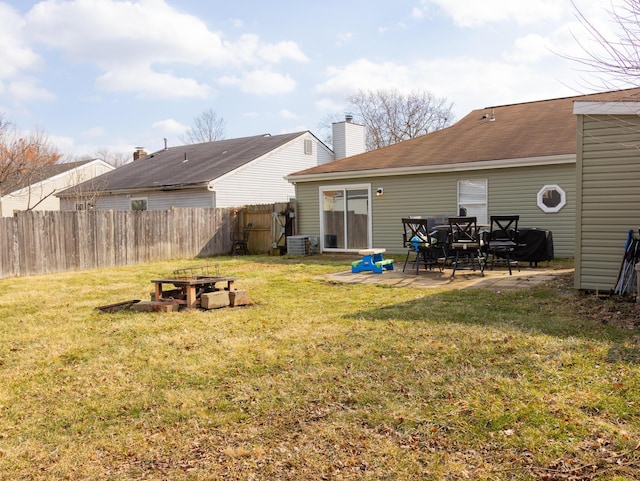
column 503, row 239
column 240, row 240
column 464, row 242
column 416, row 239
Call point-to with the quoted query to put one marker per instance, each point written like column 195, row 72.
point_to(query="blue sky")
column 109, row 74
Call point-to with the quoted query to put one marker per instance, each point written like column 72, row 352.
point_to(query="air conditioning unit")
column 302, row 245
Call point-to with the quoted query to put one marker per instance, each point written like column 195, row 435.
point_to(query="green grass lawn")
column 314, row 381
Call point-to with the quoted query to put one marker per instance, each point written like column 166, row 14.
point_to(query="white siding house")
column 225, row 173
column 39, row 193
column 263, row 179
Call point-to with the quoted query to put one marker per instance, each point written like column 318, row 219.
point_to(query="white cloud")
column 94, row 132
column 365, row 74
column 147, row 36
column 529, row 48
column 467, row 82
column 148, row 83
column 27, row 89
column 169, row 127
column 469, row 13
column 287, row 114
column 327, row 104
column 261, row 82
column 344, row 37
column 417, row 12
column 16, row 55
column 61, row 143
column 276, row 53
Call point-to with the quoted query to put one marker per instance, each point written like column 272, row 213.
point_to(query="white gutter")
column 437, row 169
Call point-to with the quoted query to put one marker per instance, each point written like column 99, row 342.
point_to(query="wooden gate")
column 271, row 224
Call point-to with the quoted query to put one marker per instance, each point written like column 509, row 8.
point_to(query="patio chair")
column 240, row 240
column 416, row 239
column 503, row 239
column 465, row 244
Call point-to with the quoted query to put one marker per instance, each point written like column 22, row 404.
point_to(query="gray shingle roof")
column 41, row 174
column 187, row 165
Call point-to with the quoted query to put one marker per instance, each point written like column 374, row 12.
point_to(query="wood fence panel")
column 40, row 242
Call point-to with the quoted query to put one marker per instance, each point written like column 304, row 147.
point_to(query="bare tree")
column 85, row 192
column 113, row 158
column 22, row 157
column 616, row 58
column 207, row 127
column 390, row 116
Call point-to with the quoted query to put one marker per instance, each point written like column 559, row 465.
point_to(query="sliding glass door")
column 345, row 217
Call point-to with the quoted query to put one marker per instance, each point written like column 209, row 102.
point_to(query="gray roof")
column 187, row 165
column 40, row 174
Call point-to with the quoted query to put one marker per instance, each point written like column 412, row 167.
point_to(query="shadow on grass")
column 542, row 309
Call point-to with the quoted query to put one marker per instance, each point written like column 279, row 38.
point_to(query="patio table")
column 190, row 288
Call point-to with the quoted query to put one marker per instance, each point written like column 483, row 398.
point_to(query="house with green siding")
column 507, row 159
column 607, row 189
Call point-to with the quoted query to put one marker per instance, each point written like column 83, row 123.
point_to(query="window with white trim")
column 551, row 198
column 472, row 199
column 138, row 203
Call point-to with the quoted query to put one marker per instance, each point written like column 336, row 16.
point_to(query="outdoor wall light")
column 379, row 191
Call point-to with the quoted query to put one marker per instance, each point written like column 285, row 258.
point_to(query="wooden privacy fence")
column 40, row 242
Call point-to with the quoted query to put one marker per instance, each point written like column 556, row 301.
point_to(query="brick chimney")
column 139, row 153
column 348, row 138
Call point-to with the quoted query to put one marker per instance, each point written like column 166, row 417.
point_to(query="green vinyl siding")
column 510, row 191
column 608, row 166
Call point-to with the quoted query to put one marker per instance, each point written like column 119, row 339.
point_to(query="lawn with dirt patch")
column 315, row 380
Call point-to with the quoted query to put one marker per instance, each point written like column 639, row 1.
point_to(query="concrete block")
column 214, row 300
column 155, row 306
column 239, row 298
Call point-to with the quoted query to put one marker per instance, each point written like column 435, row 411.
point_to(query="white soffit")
column 606, row 108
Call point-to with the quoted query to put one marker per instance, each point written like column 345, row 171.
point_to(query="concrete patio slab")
column 497, row 279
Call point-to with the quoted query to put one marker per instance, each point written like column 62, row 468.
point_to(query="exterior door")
column 345, row 217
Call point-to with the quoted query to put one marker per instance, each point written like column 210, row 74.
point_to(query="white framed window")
column 345, row 217
column 138, row 203
column 551, row 198
column 472, row 199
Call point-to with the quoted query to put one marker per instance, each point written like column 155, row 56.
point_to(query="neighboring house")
column 509, row 159
column 608, row 188
column 225, row 173
column 37, row 191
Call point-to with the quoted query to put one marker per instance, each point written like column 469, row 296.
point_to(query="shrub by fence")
column 40, row 242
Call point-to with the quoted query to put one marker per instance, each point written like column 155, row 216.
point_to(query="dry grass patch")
column 314, row 381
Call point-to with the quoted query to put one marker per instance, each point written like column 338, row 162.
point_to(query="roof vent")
column 348, row 118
